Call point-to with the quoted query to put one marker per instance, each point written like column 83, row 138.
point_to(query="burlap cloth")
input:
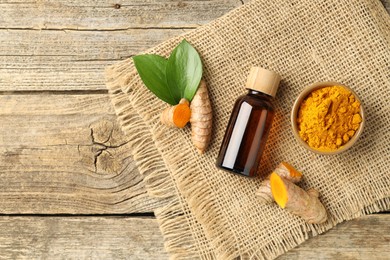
column 209, row 213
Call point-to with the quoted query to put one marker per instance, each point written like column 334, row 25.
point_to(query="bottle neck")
column 259, row 94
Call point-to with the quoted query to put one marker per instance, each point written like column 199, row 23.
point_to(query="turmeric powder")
column 328, row 118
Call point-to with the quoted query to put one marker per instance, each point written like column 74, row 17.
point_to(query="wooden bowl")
column 294, row 114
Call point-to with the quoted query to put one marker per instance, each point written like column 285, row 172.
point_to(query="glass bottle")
column 249, row 124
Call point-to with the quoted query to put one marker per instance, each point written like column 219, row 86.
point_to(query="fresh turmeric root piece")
column 178, row 115
column 299, row 202
column 201, row 118
column 284, row 170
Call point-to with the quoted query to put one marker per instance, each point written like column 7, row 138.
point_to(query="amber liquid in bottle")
column 246, row 134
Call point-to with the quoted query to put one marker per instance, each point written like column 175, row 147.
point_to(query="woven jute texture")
column 209, row 213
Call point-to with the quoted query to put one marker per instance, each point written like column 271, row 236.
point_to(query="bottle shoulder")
column 263, row 102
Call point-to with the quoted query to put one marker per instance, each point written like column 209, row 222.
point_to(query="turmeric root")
column 178, row 115
column 201, row 118
column 299, row 202
column 284, row 170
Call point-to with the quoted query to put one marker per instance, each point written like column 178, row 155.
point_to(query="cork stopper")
column 262, row 80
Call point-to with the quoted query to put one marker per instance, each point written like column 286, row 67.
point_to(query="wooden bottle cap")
column 262, row 80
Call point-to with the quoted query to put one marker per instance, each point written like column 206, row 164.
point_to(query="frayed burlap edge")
column 179, row 241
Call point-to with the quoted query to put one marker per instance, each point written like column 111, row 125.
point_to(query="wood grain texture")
column 111, row 15
column 80, row 238
column 367, row 237
column 139, row 238
column 65, row 45
column 68, row 60
column 66, row 154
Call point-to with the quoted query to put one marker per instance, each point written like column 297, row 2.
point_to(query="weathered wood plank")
column 65, row 45
column 139, row 238
column 111, row 15
column 68, row 60
column 66, row 154
column 367, row 237
column 79, row 45
column 80, row 238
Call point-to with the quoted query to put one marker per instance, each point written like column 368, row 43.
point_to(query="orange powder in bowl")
column 328, row 117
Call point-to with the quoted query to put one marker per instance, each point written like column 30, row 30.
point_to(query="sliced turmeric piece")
column 297, row 201
column 278, row 190
column 284, row 170
column 287, row 171
column 178, row 115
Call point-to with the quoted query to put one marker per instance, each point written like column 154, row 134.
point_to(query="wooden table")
column 68, row 187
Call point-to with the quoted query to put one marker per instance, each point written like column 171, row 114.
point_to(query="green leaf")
column 151, row 69
column 184, row 71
